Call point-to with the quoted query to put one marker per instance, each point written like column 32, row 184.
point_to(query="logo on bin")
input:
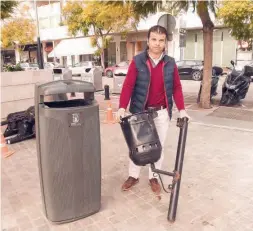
column 75, row 119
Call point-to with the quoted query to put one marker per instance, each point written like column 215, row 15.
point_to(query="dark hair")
column 158, row 29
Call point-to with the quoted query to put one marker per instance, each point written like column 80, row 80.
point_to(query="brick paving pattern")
column 216, row 188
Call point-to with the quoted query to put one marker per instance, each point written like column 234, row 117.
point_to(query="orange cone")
column 109, row 115
column 4, row 148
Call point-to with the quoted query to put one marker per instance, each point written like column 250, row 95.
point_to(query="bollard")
column 182, row 123
column 175, row 187
column 107, row 93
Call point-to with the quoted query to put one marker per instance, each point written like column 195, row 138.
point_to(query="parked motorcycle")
column 236, row 85
column 216, row 73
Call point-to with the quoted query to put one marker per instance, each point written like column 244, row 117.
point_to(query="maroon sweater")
column 156, row 95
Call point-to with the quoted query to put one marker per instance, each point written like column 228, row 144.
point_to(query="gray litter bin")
column 69, row 151
column 62, row 73
column 94, row 76
column 119, row 76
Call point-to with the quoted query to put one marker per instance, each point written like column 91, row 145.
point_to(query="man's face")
column 156, row 42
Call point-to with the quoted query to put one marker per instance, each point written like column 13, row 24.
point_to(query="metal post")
column 39, row 51
column 107, row 92
column 182, row 123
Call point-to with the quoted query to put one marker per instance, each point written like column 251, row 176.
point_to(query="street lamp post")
column 39, row 51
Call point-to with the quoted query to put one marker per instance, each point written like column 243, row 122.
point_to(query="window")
column 190, row 63
column 122, row 64
column 34, row 65
column 199, row 62
column 23, row 65
column 87, row 64
column 180, row 63
column 123, row 51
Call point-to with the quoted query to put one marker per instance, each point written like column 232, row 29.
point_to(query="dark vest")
column 141, row 88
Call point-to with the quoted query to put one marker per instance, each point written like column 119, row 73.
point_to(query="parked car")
column 29, row 66
column 49, row 65
column 120, row 71
column 110, row 70
column 190, row 69
column 79, row 68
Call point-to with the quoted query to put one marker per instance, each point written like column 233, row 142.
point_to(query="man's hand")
column 120, row 114
column 183, row 113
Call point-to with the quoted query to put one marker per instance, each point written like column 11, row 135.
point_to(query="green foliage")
column 7, row 8
column 12, row 68
column 100, row 18
column 238, row 15
column 19, row 30
column 96, row 16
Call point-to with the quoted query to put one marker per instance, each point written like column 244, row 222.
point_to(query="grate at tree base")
column 233, row 113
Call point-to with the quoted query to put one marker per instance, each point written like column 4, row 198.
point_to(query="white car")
column 49, row 65
column 80, row 68
column 29, row 66
column 121, row 71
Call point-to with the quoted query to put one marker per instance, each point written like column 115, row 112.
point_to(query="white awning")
column 77, row 46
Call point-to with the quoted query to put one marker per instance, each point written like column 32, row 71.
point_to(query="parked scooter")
column 236, row 85
column 216, row 73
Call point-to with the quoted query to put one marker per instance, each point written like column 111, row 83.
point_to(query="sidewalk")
column 216, row 189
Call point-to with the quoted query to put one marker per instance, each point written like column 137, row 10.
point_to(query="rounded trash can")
column 119, row 77
column 62, row 73
column 68, row 150
column 93, row 75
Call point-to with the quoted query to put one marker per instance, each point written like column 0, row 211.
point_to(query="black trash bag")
column 142, row 138
column 20, row 126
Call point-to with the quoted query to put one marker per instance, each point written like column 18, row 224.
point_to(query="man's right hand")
column 120, row 114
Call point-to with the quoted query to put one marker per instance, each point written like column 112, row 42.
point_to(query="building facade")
column 59, row 46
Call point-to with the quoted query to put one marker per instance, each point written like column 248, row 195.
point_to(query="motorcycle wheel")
column 225, row 100
column 228, row 100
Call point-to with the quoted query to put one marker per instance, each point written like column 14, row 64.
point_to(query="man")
column 152, row 80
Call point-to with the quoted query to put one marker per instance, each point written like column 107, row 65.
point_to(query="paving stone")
column 214, row 195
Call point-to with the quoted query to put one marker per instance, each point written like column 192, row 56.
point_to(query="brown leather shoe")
column 129, row 183
column 155, row 186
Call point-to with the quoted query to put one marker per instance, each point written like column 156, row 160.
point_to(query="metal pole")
column 54, row 52
column 107, row 92
column 39, row 51
column 182, row 123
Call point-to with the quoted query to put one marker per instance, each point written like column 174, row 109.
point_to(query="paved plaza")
column 216, row 189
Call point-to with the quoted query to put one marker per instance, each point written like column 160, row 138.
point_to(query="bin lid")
column 65, row 86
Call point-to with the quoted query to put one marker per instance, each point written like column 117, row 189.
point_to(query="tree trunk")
column 207, row 72
column 61, row 11
column 252, row 49
column 202, row 9
column 102, row 56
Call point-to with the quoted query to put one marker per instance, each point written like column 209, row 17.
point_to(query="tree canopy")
column 7, row 8
column 238, row 15
column 98, row 19
column 19, row 30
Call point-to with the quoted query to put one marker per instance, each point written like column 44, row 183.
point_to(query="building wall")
column 189, row 51
column 17, row 89
column 223, row 51
column 49, row 15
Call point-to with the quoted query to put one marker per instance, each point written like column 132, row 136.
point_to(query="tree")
column 238, row 15
column 99, row 18
column 18, row 32
column 7, row 8
column 203, row 8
